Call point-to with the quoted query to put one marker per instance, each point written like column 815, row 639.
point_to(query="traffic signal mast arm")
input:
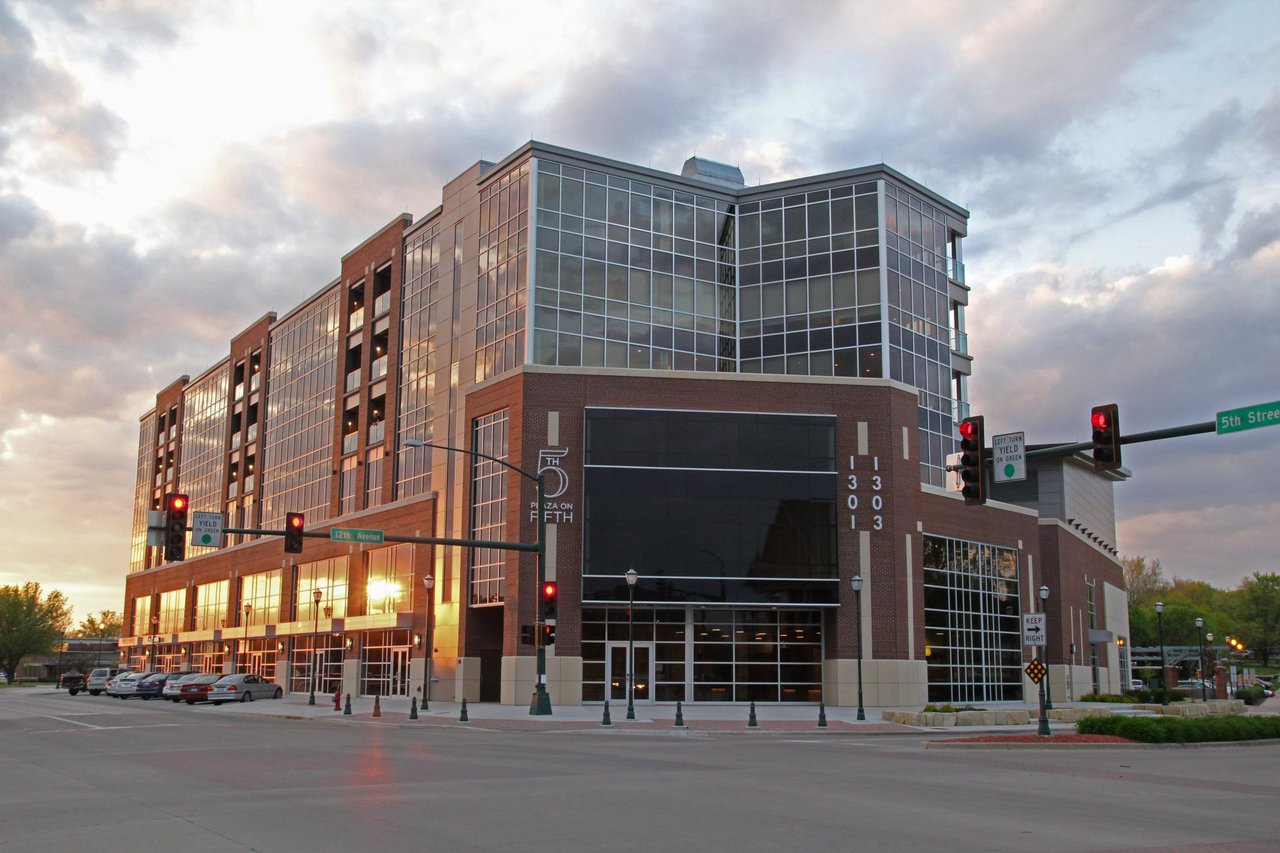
column 1135, row 438
column 391, row 537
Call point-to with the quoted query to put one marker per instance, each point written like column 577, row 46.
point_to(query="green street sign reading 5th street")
column 1250, row 417
column 355, row 534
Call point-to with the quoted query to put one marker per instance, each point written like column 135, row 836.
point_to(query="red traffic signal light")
column 175, row 527
column 1105, row 421
column 548, row 634
column 549, row 593
column 294, row 526
column 972, row 440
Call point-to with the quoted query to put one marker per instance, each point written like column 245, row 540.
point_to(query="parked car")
column 124, row 684
column 243, row 687
column 196, row 688
column 72, row 682
column 98, row 678
column 1137, row 684
column 175, row 682
column 151, row 686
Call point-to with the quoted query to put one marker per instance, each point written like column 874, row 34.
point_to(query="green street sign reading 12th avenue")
column 1250, row 417
column 355, row 534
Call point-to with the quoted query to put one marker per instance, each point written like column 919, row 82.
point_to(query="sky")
column 169, row 172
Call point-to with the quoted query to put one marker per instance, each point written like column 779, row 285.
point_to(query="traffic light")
column 549, row 591
column 972, row 440
column 527, row 635
column 548, row 634
column 175, row 527
column 1105, row 421
column 294, row 525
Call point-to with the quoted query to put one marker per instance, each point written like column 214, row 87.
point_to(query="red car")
column 197, row 689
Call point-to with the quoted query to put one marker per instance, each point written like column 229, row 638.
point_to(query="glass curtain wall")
column 423, row 312
column 503, row 273
column 919, row 306
column 298, row 445
column 489, row 508
column 809, row 283
column 204, row 443
column 973, row 627
column 142, row 491
column 211, row 605
column 631, row 274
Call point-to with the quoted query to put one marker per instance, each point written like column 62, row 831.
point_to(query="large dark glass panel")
column 720, row 440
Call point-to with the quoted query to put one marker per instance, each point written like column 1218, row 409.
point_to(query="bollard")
column 751, row 719
column 346, row 711
column 679, row 716
column 462, row 718
column 377, row 709
column 413, row 707
column 822, row 715
column 337, row 699
column 605, row 720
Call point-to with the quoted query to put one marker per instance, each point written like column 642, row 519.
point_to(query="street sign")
column 1250, row 417
column 355, row 534
column 1033, row 629
column 1009, row 457
column 206, row 529
column 952, row 477
column 1036, row 671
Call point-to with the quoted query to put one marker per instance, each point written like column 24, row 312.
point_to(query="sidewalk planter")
column 975, row 718
column 1012, row 717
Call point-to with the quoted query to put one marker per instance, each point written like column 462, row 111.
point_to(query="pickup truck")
column 72, row 682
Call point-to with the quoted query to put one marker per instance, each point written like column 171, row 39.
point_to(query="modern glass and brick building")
column 745, row 395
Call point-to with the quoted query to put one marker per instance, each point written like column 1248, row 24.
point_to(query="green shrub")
column 1252, row 695
column 948, row 708
column 1105, row 697
column 1182, row 729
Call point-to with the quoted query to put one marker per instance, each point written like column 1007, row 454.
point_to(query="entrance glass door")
column 399, row 672
column 616, row 672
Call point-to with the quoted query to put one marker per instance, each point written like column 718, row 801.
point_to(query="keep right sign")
column 1033, row 629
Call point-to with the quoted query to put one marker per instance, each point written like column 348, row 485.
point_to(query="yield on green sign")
column 355, row 534
column 1009, row 457
column 1250, row 417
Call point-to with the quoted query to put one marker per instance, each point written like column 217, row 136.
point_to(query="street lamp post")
column 542, row 700
column 155, row 639
column 1042, row 729
column 1164, row 678
column 1204, row 693
column 1044, row 608
column 316, row 595
column 631, row 577
column 248, row 608
column 857, row 606
column 1208, row 637
column 430, row 583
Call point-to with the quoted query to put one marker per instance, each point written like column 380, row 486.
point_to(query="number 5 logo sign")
column 555, row 478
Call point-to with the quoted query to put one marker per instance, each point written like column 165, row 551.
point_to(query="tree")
column 1260, row 614
column 1143, row 580
column 108, row 623
column 30, row 623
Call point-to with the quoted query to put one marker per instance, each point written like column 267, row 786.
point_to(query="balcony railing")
column 353, row 380
column 350, row 442
column 378, row 369
column 382, row 304
column 960, row 341
column 357, row 319
column 252, row 435
column 255, row 381
column 955, row 270
column 377, row 432
column 239, row 394
column 235, row 440
column 248, row 484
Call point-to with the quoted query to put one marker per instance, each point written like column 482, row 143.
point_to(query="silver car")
column 99, row 678
column 125, row 684
column 173, row 687
column 243, row 687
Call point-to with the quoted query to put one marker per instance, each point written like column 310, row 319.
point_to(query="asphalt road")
column 99, row 774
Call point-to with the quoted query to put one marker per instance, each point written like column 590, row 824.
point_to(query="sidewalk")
column 717, row 718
